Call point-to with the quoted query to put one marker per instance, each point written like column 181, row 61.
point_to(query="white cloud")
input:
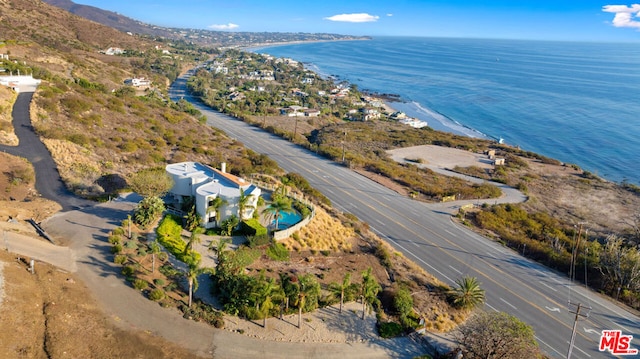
column 361, row 17
column 389, row 14
column 228, row 26
column 626, row 16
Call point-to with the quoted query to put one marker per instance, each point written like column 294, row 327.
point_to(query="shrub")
column 252, row 227
column 120, row 259
column 158, row 282
column 117, row 248
column 257, row 241
column 114, row 239
column 156, row 295
column 140, row 284
column 278, row 252
column 390, row 329
column 118, row 231
column 128, row 271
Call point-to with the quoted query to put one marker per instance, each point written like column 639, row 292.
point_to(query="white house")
column 138, row 82
column 26, row 82
column 204, row 184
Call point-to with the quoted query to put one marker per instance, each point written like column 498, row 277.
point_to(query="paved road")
column 86, row 225
column 48, row 181
column 426, row 234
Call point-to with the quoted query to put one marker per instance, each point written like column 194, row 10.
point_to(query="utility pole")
column 343, row 144
column 574, row 253
column 579, row 314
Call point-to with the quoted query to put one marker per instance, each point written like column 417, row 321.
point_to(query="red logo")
column 616, row 343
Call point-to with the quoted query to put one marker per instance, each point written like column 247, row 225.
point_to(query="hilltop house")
column 204, row 184
column 137, row 82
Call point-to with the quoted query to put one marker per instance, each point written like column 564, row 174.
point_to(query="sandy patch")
column 325, row 325
column 440, row 157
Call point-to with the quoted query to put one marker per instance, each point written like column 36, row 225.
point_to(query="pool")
column 287, row 220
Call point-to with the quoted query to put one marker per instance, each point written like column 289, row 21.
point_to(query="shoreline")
column 255, row 47
column 391, row 102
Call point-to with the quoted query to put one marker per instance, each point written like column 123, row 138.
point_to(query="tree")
column 496, row 335
column 148, row 210
column 216, row 205
column 194, row 239
column 228, row 225
column 262, row 294
column 277, row 207
column 290, row 287
column 467, row 294
column 192, row 219
column 620, row 264
column 339, row 289
column 243, row 203
column 369, row 290
column 153, row 182
column 154, row 247
column 403, row 304
column 192, row 273
column 308, row 295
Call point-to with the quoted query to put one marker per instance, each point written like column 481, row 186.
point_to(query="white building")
column 26, row 83
column 204, row 184
column 138, row 82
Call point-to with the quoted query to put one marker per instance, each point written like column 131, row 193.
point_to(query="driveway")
column 85, row 226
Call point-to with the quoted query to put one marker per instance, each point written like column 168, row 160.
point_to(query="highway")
column 425, row 234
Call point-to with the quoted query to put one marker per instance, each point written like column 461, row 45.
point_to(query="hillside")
column 197, row 36
column 97, row 128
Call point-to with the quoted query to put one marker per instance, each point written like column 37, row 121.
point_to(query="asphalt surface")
column 425, row 233
column 48, row 181
column 86, row 225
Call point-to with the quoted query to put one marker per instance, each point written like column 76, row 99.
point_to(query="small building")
column 498, row 161
column 205, row 184
column 312, row 113
column 137, row 82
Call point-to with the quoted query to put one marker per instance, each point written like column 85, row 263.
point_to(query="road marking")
column 625, row 329
column 455, row 269
column 379, row 221
column 552, row 348
column 591, row 331
column 554, row 309
column 553, row 289
column 490, row 306
column 578, row 349
column 509, row 304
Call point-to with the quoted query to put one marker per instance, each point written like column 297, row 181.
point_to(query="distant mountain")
column 111, row 19
column 197, row 36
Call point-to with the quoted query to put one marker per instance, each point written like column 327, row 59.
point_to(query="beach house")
column 204, row 184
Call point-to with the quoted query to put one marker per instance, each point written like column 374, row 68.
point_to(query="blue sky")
column 579, row 20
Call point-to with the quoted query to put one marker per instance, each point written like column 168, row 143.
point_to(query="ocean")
column 576, row 102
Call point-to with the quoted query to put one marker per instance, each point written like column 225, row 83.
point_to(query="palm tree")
column 154, row 247
column 216, row 205
column 468, row 294
column 192, row 218
column 192, row 273
column 194, row 239
column 341, row 288
column 262, row 294
column 243, row 203
column 290, row 288
column 308, row 295
column 370, row 289
column 279, row 206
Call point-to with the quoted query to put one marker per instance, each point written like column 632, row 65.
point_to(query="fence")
column 286, row 233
